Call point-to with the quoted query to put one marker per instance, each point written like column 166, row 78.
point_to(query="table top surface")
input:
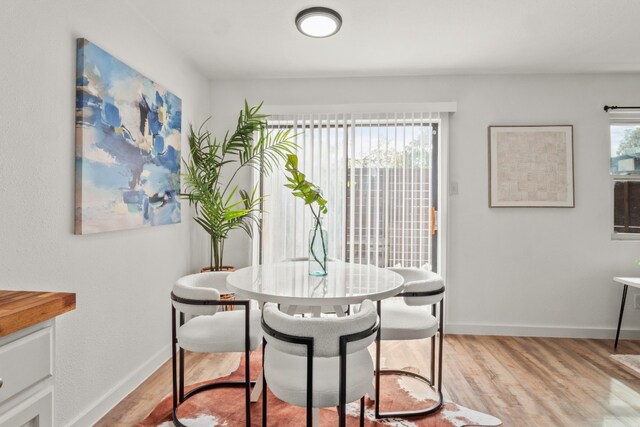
column 290, row 283
column 21, row 309
column 631, row 281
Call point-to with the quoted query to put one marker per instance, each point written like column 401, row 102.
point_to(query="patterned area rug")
column 225, row 407
column 631, row 362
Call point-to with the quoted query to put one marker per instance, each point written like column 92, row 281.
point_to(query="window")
column 625, row 173
column 626, row 206
column 389, row 178
column 379, row 175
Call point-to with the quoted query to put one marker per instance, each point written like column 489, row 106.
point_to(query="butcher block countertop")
column 21, row 309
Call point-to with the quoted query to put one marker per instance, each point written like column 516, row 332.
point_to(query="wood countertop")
column 21, row 309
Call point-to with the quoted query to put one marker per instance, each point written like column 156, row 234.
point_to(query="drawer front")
column 36, row 411
column 24, row 362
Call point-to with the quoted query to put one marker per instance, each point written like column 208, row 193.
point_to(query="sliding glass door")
column 379, row 175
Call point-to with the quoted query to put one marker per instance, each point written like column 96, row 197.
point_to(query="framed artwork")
column 531, row 166
column 128, row 132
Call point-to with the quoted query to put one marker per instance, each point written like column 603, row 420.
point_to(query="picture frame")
column 531, row 166
column 128, row 146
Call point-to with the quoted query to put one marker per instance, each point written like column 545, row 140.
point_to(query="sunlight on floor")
column 623, row 401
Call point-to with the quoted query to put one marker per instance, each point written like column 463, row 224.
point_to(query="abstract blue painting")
column 127, row 146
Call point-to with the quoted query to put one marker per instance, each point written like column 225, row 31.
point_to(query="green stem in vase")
column 323, row 263
column 311, row 195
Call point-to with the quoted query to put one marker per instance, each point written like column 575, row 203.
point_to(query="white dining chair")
column 408, row 318
column 210, row 330
column 318, row 362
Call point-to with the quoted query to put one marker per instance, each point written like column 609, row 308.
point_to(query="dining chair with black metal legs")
column 409, row 319
column 318, row 362
column 209, row 331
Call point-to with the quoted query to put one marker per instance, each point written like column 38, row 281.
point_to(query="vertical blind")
column 378, row 174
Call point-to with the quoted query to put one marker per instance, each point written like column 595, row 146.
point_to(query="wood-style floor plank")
column 523, row 381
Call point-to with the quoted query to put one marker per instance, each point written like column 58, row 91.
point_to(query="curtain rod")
column 615, row 107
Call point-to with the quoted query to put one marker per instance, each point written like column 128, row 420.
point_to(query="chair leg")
column 181, row 376
column 174, row 365
column 433, row 351
column 310, row 389
column 342, row 413
column 181, row 384
column 264, row 388
column 441, row 339
column 247, row 369
column 362, row 411
column 247, row 400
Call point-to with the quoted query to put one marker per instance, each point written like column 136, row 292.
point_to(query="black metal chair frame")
column 309, row 342
column 179, row 396
column 429, row 381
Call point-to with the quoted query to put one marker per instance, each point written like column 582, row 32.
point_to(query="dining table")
column 634, row 282
column 290, row 285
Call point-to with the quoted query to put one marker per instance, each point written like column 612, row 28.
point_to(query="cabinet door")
column 25, row 362
column 36, row 411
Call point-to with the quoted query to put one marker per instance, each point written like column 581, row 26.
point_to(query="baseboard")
column 111, row 398
column 539, row 331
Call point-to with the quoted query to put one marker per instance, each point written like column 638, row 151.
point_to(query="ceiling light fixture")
column 318, row 22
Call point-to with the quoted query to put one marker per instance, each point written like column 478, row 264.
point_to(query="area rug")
column 225, row 407
column 631, row 362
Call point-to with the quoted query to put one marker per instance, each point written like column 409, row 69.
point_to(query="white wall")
column 511, row 271
column 545, row 268
column 120, row 331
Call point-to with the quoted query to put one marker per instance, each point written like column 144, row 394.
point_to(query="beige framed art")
column 531, row 166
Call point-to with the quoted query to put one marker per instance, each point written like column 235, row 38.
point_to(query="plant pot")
column 223, row 268
column 223, row 296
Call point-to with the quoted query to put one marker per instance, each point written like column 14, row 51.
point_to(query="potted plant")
column 311, row 195
column 220, row 204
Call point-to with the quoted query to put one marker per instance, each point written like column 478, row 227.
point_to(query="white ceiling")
column 258, row 38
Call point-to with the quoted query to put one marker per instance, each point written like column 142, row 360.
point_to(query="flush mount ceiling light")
column 318, row 22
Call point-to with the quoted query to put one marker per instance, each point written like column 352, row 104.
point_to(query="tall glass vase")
column 318, row 247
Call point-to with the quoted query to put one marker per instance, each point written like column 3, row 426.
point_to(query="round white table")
column 289, row 284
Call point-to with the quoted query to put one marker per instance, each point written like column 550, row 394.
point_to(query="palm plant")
column 220, row 204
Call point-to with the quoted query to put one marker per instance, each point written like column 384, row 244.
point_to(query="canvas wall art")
column 531, row 166
column 127, row 146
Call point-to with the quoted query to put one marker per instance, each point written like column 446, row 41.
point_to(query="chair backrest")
column 417, row 280
column 325, row 331
column 200, row 286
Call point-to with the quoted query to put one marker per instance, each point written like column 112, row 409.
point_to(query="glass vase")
column 318, row 247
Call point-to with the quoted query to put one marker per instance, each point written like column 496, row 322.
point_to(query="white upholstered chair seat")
column 292, row 387
column 409, row 317
column 220, row 333
column 400, row 321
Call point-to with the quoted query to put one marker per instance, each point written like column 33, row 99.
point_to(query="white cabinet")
column 34, row 411
column 26, row 375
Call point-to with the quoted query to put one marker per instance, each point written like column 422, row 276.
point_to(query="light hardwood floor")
column 523, row 381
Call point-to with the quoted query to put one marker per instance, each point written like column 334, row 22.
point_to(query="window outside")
column 625, row 171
